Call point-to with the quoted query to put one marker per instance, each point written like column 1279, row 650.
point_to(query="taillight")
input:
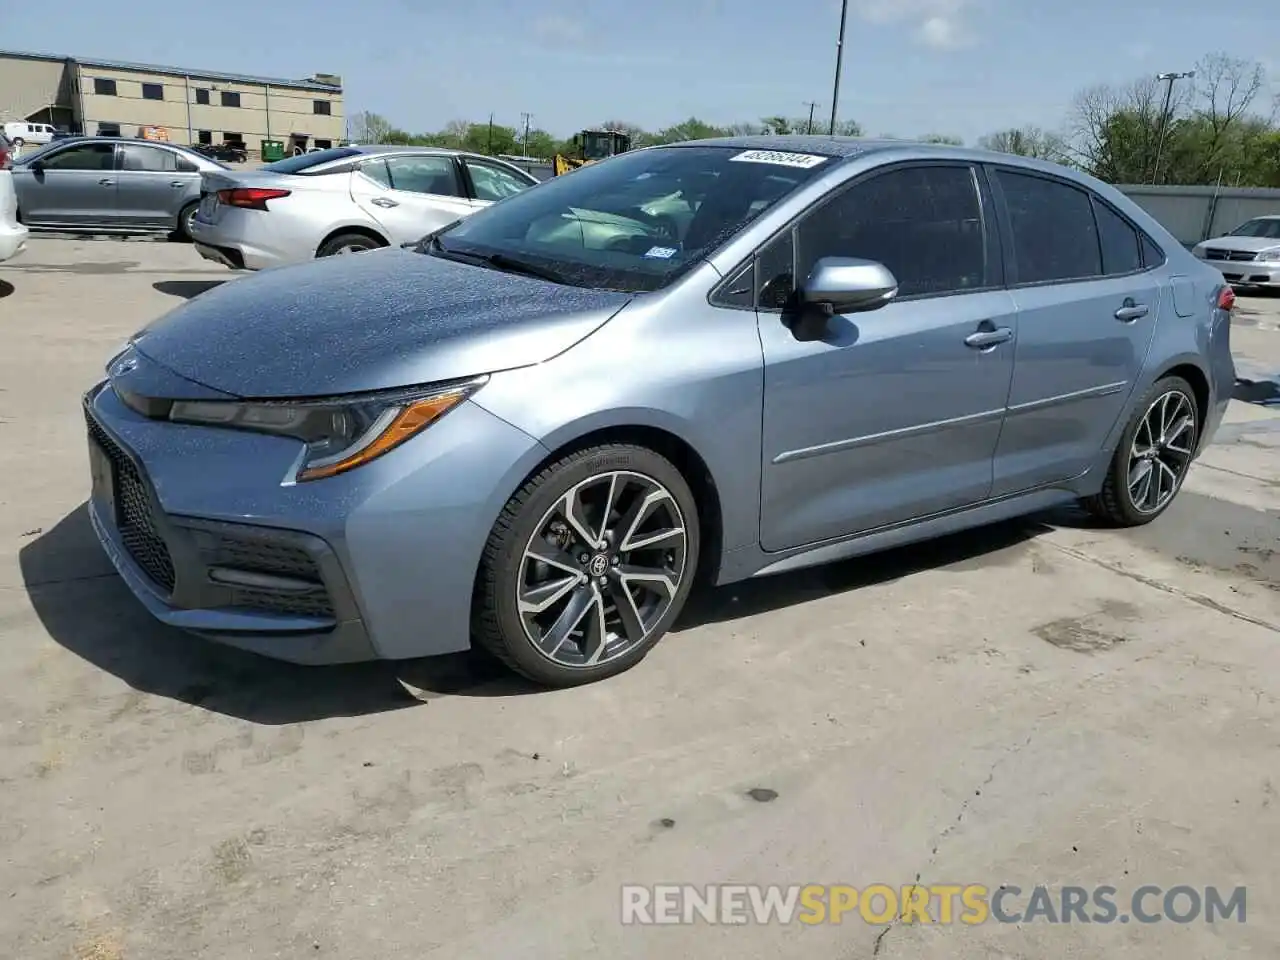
column 250, row 198
column 1226, row 299
column 4, row 158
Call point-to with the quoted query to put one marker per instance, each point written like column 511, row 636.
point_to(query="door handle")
column 1132, row 311
column 177, row 183
column 105, row 182
column 988, row 338
column 383, row 202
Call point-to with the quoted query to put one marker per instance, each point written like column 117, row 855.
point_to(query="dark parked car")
column 225, row 152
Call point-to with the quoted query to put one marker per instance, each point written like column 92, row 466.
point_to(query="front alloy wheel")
column 605, row 545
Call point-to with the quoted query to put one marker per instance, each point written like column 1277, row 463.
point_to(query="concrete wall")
column 29, row 87
column 1193, row 214
column 264, row 112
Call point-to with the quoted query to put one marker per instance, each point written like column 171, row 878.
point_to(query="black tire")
column 183, row 233
column 498, row 626
column 1115, row 502
column 347, row 243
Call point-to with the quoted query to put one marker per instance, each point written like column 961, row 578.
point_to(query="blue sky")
column 963, row 67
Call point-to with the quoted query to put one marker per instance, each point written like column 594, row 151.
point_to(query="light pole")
column 1169, row 79
column 835, row 95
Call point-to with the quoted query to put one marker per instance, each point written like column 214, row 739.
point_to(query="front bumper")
column 1249, row 273
column 13, row 240
column 376, row 564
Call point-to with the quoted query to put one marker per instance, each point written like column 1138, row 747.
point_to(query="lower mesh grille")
column 276, row 559
column 133, row 512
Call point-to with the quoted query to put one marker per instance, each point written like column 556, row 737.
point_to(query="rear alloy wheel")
column 588, row 566
column 1153, row 457
column 184, row 221
column 345, row 243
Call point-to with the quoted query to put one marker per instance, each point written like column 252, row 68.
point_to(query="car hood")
column 370, row 321
column 1248, row 244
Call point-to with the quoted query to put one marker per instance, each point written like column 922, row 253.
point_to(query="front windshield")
column 1267, row 228
column 635, row 222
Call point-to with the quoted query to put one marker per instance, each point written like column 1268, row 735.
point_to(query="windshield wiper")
column 499, row 261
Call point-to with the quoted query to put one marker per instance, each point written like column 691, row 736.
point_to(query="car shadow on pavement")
column 86, row 607
column 186, row 289
column 999, row 545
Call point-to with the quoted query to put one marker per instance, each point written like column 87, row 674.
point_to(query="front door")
column 75, row 186
column 409, row 195
column 1087, row 307
column 154, row 183
column 894, row 414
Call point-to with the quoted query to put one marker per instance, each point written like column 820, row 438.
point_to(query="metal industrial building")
column 112, row 98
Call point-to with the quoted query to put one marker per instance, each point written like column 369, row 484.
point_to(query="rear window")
column 305, row 161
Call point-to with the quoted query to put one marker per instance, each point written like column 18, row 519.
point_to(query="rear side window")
column 1152, row 255
column 1121, row 248
column 1054, row 234
column 431, row 175
column 923, row 223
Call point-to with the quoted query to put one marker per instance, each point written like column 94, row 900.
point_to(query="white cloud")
column 941, row 24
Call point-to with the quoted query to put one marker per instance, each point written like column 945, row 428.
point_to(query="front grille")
column 1239, row 256
column 133, row 512
column 274, row 559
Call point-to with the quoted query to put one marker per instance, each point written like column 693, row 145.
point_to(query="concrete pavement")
column 1038, row 703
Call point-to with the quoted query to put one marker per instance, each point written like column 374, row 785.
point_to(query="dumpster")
column 272, row 150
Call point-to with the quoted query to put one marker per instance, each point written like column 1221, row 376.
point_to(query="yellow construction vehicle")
column 592, row 145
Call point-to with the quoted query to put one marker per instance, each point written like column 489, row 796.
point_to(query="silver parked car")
column 1248, row 256
column 110, row 185
column 344, row 200
column 536, row 428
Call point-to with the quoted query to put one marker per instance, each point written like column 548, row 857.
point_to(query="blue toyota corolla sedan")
column 534, row 430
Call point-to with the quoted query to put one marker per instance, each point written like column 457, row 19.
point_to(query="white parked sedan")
column 1248, row 256
column 343, row 200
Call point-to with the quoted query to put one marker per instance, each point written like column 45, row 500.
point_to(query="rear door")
column 154, row 183
column 1087, row 306
column 490, row 182
column 75, row 186
column 409, row 195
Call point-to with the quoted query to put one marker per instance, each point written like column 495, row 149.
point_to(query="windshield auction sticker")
column 779, row 158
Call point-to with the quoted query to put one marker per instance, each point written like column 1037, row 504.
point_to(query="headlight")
column 341, row 434
column 1271, row 256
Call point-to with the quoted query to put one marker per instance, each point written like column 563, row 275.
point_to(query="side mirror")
column 35, row 166
column 846, row 285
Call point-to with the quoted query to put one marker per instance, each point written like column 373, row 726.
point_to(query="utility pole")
column 527, row 117
column 1168, row 79
column 835, row 95
column 812, row 105
column 491, row 134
